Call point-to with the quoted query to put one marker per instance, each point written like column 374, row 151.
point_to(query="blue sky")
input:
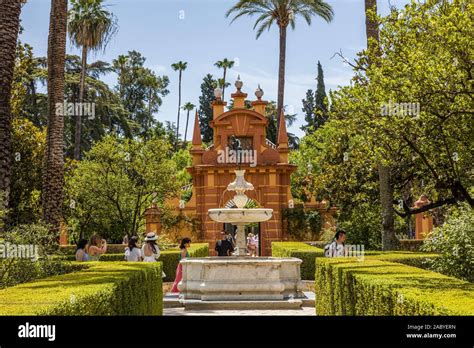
column 197, row 31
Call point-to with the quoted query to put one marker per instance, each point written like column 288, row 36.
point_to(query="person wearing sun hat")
column 150, row 250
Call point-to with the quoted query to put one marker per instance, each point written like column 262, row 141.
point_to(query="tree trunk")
column 281, row 74
column 53, row 173
column 78, row 120
column 9, row 27
column 186, row 129
column 223, row 85
column 179, row 110
column 389, row 240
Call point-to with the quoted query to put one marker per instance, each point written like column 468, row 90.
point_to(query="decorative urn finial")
column 259, row 93
column 238, row 84
column 218, row 93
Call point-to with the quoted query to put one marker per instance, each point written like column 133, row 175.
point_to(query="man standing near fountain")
column 224, row 246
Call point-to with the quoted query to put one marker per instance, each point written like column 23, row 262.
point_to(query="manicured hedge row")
column 345, row 286
column 308, row 254
column 303, row 251
column 18, row 271
column 103, row 288
column 169, row 258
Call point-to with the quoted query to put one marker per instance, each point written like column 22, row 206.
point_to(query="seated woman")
column 81, row 251
column 184, row 246
column 133, row 252
column 97, row 247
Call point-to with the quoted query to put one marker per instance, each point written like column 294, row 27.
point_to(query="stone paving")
column 304, row 311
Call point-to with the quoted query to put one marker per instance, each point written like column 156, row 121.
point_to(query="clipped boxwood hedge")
column 103, row 288
column 345, row 286
column 303, row 251
column 308, row 254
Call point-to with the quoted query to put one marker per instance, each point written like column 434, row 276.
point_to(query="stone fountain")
column 241, row 281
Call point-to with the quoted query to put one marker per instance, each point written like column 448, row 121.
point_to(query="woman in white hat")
column 150, row 250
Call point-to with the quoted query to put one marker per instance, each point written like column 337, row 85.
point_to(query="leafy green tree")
column 315, row 104
column 427, row 150
column 90, row 27
column 308, row 108
column 321, row 108
column 283, row 13
column 141, row 92
column 224, row 64
column 28, row 143
column 205, row 109
column 108, row 192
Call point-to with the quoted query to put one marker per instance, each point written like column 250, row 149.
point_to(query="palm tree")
column 224, row 64
column 91, row 28
column 282, row 13
column 9, row 27
column 53, row 173
column 222, row 84
column 179, row 66
column 188, row 107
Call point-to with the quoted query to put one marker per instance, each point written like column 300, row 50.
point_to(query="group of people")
column 148, row 252
column 226, row 245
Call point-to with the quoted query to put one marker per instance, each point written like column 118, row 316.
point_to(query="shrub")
column 17, row 271
column 303, row 251
column 374, row 287
column 103, row 288
column 308, row 254
column 34, row 234
column 454, row 240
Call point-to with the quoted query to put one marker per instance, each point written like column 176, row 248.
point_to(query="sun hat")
column 150, row 236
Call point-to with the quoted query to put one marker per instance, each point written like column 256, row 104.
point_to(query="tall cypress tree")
column 321, row 108
column 205, row 109
column 308, row 109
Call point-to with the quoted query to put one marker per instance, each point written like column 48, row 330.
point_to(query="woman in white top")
column 150, row 250
column 133, row 252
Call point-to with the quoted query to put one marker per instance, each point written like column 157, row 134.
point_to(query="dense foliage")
column 454, row 240
column 108, row 192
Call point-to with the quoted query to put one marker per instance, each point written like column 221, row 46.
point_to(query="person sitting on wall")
column 81, row 251
column 223, row 246
column 98, row 246
column 336, row 247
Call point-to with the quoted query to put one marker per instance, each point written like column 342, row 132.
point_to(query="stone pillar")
column 241, row 241
column 153, row 219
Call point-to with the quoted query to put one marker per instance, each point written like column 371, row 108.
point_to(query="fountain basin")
column 240, row 215
column 240, row 279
